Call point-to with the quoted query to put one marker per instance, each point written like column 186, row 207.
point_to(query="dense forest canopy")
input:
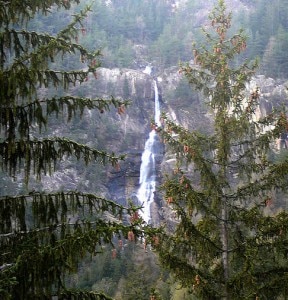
column 161, row 31
column 166, row 31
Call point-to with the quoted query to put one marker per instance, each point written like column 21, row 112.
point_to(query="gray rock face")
column 124, row 82
column 272, row 93
column 128, row 132
column 125, row 133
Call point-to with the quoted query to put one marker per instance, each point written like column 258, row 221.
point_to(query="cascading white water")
column 147, row 180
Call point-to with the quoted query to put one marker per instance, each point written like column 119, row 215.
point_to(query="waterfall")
column 147, row 180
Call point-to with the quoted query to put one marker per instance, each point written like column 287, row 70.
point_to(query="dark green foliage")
column 134, row 22
column 166, row 33
column 140, row 278
column 268, row 24
column 275, row 61
column 227, row 242
column 43, row 236
column 127, row 269
column 183, row 95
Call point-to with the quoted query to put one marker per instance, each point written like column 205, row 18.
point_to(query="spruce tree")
column 225, row 245
column 43, row 235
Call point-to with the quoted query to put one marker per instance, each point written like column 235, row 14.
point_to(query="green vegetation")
column 268, row 40
column 230, row 238
column 166, row 34
column 44, row 235
column 230, row 235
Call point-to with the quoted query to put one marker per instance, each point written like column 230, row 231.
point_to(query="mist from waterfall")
column 147, row 179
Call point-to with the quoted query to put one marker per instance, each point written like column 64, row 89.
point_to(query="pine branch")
column 25, row 115
column 38, row 78
column 43, row 45
column 80, row 294
column 77, row 19
column 274, row 178
column 61, row 226
column 70, row 202
column 40, row 156
column 27, row 10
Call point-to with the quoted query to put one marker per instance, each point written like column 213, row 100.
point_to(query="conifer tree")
column 43, row 236
column 225, row 245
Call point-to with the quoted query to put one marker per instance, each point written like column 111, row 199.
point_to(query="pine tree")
column 224, row 244
column 43, row 236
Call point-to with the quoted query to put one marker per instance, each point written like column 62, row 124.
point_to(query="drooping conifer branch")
column 40, row 156
column 27, row 10
column 21, row 117
column 43, row 44
column 54, row 208
column 79, row 294
column 51, row 259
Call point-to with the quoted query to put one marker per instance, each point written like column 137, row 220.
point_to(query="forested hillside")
column 133, row 33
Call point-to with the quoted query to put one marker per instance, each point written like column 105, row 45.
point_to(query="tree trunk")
column 224, row 240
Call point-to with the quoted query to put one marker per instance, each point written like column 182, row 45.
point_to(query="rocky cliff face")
column 137, row 86
column 127, row 133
